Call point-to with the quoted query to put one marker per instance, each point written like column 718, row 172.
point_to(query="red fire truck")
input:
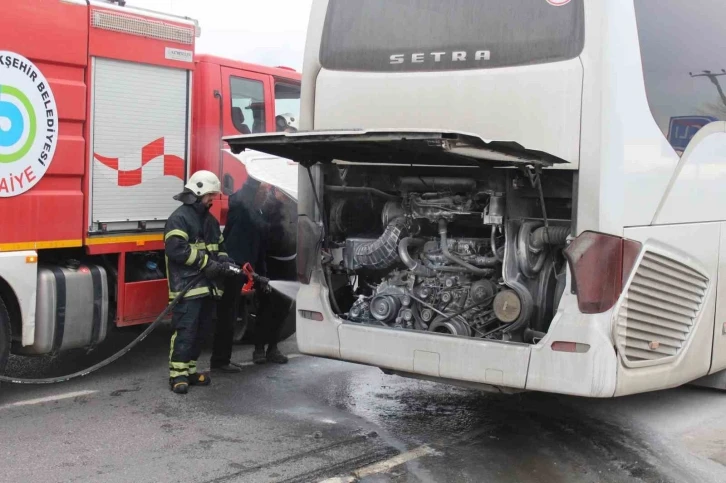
column 104, row 112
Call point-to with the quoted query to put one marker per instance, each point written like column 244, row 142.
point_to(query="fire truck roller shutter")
column 139, row 138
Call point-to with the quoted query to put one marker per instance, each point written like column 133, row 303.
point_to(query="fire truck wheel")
column 4, row 336
column 240, row 329
column 244, row 314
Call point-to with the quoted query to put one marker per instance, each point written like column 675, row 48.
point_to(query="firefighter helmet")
column 203, row 182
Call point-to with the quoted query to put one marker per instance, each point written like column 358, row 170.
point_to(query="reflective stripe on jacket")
column 192, row 237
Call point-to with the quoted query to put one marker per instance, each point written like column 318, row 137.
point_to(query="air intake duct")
column 383, row 252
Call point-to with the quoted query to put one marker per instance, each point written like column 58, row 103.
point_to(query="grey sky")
column 270, row 32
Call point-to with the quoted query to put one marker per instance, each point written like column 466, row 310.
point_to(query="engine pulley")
column 481, row 290
column 385, row 307
column 454, row 326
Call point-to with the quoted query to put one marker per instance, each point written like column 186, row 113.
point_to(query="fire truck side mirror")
column 227, row 184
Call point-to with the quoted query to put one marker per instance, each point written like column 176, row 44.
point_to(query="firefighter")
column 246, row 238
column 194, row 245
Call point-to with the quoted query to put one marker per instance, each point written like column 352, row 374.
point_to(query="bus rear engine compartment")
column 448, row 255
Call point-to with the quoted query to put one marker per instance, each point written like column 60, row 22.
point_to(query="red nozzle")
column 249, row 285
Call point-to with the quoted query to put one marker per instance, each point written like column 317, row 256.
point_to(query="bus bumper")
column 591, row 373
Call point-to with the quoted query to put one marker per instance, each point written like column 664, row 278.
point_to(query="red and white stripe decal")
column 173, row 165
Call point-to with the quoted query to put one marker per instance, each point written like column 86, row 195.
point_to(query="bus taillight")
column 600, row 265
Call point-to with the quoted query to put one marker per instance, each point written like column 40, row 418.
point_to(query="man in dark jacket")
column 193, row 244
column 246, row 235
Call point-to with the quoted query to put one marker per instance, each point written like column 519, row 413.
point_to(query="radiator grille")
column 659, row 310
column 154, row 29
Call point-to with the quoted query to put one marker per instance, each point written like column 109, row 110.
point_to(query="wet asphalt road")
column 317, row 419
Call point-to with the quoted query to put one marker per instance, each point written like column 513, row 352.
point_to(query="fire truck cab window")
column 683, row 48
column 248, row 105
column 287, row 107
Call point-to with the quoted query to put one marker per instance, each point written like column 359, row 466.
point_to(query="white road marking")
column 41, row 400
column 383, row 466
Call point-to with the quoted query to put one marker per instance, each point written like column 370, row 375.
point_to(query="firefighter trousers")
column 191, row 321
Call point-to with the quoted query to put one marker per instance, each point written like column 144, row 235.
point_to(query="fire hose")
column 247, row 269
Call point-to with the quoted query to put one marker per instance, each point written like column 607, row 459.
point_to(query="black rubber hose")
column 412, row 264
column 361, row 190
column 554, row 235
column 471, row 307
column 383, row 252
column 437, row 184
column 451, row 257
column 485, row 261
column 116, row 356
column 495, row 250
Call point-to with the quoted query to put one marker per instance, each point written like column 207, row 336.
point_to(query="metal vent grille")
column 659, row 310
column 154, row 29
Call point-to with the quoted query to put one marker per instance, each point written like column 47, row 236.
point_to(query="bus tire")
column 5, row 336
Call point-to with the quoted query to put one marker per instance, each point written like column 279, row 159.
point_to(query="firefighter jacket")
column 192, row 238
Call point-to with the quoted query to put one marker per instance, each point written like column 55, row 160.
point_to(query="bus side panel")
column 718, row 361
column 696, row 192
column 702, row 242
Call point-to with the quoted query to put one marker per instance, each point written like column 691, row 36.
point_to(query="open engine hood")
column 401, row 147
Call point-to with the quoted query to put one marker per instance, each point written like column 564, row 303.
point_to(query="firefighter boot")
column 200, row 379
column 275, row 356
column 258, row 356
column 179, row 384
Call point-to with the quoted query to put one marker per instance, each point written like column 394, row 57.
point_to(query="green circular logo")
column 15, row 121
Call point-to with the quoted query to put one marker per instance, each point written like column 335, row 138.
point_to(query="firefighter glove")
column 214, row 270
column 262, row 282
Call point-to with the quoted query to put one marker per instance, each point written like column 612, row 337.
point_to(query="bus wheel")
column 4, row 336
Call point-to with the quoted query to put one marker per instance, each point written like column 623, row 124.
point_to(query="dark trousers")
column 227, row 314
column 191, row 321
column 269, row 321
column 267, row 327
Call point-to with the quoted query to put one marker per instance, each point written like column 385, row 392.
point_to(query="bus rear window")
column 683, row 48
column 432, row 35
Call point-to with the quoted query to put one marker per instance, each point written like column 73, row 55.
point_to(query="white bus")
column 514, row 195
